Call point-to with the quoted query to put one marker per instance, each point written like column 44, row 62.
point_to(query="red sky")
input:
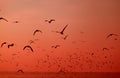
column 89, row 22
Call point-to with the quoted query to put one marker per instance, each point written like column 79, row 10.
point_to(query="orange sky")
column 96, row 19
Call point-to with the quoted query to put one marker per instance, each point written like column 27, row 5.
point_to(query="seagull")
column 1, row 18
column 11, row 45
column 37, row 31
column 3, row 44
column 27, row 46
column 62, row 32
column 105, row 49
column 56, row 46
column 50, row 21
column 21, row 71
column 111, row 35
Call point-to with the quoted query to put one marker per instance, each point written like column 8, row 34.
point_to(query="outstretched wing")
column 51, row 20
column 3, row 44
column 1, row 18
column 31, row 41
column 64, row 28
column 10, row 45
column 27, row 46
column 37, row 31
column 21, row 71
column 105, row 49
column 111, row 35
column 65, row 37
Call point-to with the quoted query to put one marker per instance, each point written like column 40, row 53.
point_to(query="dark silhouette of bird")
column 111, row 35
column 50, row 21
column 105, row 49
column 56, row 46
column 1, row 18
column 11, row 45
column 3, row 44
column 37, row 31
column 65, row 37
column 62, row 32
column 15, row 21
column 27, row 46
column 20, row 71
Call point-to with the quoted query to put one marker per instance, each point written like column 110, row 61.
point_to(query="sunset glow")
column 85, row 48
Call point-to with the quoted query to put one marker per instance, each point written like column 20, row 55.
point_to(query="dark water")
column 59, row 75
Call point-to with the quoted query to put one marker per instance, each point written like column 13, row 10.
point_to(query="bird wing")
column 24, row 47
column 108, row 36
column 37, row 31
column 115, row 34
column 51, row 20
column 4, row 19
column 28, row 47
column 31, row 48
column 65, row 36
column 56, row 31
column 20, row 71
column 10, row 45
column 3, row 44
column 34, row 32
column 105, row 49
column 46, row 20
column 111, row 35
column 57, row 45
column 64, row 28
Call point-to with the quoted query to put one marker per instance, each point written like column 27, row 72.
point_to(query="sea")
column 60, row 75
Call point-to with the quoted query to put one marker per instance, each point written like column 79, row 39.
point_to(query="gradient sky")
column 89, row 22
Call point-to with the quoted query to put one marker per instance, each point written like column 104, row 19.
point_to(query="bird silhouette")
column 20, row 71
column 1, row 18
column 11, row 45
column 37, row 31
column 62, row 32
column 56, row 46
column 3, row 44
column 50, row 21
column 15, row 21
column 105, row 49
column 27, row 46
column 111, row 35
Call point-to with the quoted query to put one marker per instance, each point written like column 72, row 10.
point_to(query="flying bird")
column 27, row 46
column 37, row 31
column 11, row 45
column 15, row 21
column 50, row 21
column 56, row 46
column 3, row 44
column 1, row 18
column 111, row 35
column 20, row 71
column 62, row 32
column 105, row 49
